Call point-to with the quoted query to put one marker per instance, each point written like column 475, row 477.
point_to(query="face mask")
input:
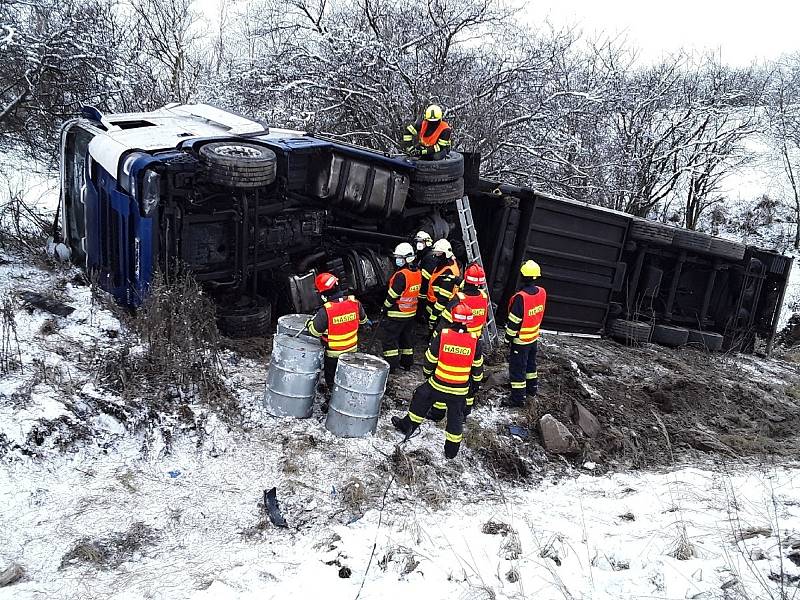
column 399, row 261
column 420, row 246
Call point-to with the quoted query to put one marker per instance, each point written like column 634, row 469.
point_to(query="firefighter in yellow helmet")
column 430, row 137
column 525, row 314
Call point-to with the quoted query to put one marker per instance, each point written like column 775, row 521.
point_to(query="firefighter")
column 336, row 322
column 473, row 294
column 426, row 261
column 454, row 371
column 525, row 313
column 429, row 137
column 445, row 264
column 400, row 308
column 446, row 288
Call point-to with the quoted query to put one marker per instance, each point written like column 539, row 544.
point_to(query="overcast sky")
column 741, row 31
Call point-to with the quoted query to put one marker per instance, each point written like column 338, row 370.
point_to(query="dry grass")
column 496, row 452
column 111, row 551
column 172, row 363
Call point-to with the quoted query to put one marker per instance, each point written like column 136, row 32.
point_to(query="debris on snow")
column 11, row 574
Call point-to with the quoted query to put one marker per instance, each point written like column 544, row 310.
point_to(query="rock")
column 11, row 574
column 556, row 437
column 586, row 420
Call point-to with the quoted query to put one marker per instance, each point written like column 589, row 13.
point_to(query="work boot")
column 401, row 424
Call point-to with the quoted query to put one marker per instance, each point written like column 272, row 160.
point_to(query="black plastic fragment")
column 274, row 512
column 46, row 304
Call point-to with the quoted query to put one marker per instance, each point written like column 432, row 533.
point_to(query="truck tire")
column 438, row 193
column 450, row 168
column 726, row 249
column 245, row 318
column 706, row 340
column 629, row 332
column 671, row 337
column 693, row 241
column 651, row 231
column 239, row 164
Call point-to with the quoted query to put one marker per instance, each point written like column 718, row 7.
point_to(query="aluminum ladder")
column 490, row 336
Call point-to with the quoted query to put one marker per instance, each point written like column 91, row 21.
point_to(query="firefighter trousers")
column 522, row 371
column 426, row 398
column 397, row 341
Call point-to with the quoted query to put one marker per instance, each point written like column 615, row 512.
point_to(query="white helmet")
column 405, row 252
column 444, row 247
column 422, row 240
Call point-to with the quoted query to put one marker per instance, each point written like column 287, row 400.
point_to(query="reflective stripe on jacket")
column 403, row 304
column 343, row 321
column 524, row 328
column 455, row 361
column 479, row 304
column 431, row 138
column 451, row 267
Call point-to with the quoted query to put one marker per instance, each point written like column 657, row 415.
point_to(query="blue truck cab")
column 254, row 212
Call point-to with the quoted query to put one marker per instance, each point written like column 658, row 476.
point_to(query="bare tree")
column 170, row 33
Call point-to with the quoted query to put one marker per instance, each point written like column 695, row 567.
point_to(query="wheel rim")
column 238, row 151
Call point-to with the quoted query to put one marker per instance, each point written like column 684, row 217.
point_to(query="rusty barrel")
column 292, row 377
column 357, row 393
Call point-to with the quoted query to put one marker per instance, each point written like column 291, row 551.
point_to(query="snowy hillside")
column 112, row 489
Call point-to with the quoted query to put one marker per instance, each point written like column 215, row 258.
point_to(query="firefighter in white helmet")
column 400, row 308
column 444, row 281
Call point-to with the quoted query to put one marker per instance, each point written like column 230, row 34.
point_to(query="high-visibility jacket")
column 434, row 142
column 525, row 314
column 403, row 294
column 451, row 267
column 336, row 323
column 454, row 361
column 429, row 136
column 479, row 303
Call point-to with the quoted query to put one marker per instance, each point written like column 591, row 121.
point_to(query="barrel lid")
column 297, row 343
column 364, row 360
column 295, row 319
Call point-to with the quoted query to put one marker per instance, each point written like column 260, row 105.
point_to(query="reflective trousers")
column 522, row 371
column 397, row 341
column 425, row 399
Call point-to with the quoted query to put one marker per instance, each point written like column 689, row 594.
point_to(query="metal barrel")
column 293, row 324
column 357, row 393
column 292, row 377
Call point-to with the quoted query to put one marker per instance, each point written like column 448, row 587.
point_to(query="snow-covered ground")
column 93, row 510
column 655, row 535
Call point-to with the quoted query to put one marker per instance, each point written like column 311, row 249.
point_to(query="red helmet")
column 462, row 314
column 325, row 282
column 475, row 275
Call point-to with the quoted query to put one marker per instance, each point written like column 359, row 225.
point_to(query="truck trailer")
column 255, row 212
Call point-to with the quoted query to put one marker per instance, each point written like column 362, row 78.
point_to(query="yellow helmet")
column 433, row 113
column 530, row 269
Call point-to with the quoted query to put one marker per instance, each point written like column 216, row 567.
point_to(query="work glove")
column 370, row 323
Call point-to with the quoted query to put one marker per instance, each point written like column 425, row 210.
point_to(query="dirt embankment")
column 655, row 405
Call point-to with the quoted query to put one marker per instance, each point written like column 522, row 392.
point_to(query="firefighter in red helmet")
column 336, row 322
column 454, row 371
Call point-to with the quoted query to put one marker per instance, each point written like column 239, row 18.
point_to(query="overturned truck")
column 255, row 212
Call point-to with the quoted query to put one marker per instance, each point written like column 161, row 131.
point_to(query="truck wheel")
column 726, row 249
column 245, row 318
column 671, row 337
column 449, row 168
column 706, row 340
column 651, row 231
column 629, row 332
column 239, row 164
column 691, row 240
column 438, row 193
